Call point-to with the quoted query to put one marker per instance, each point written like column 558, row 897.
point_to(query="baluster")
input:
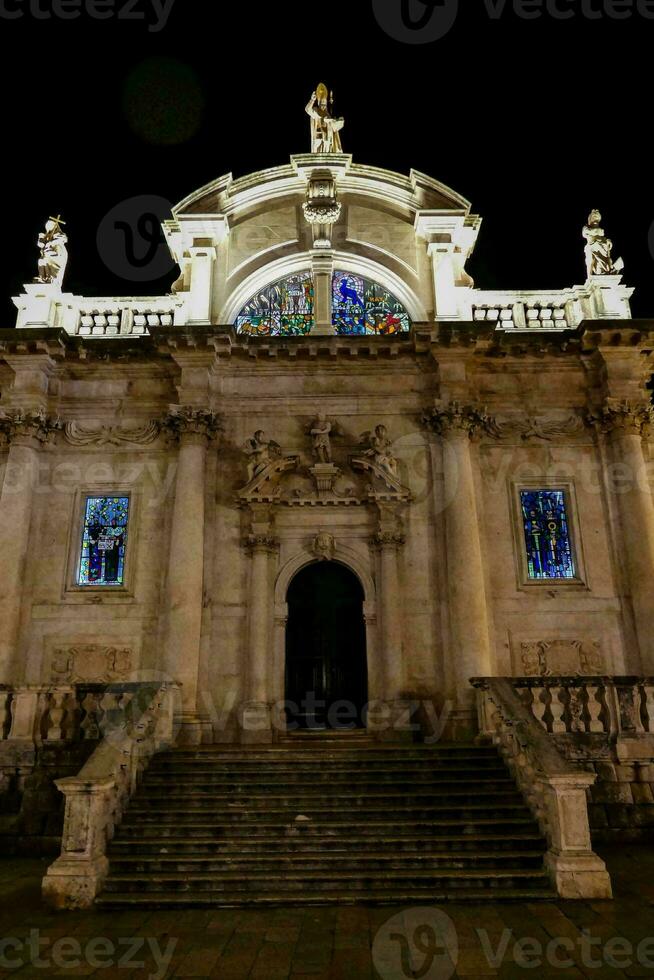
column 649, row 706
column 629, row 700
column 112, row 712
column 56, row 715
column 596, row 708
column 558, row 708
column 90, row 725
column 576, row 699
column 5, row 714
column 539, row 705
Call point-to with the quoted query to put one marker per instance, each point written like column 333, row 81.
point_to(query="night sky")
column 536, row 122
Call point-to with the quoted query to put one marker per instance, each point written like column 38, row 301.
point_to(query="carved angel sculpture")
column 599, row 261
column 380, row 450
column 261, row 452
column 321, row 430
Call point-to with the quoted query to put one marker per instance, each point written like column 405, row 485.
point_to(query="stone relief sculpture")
column 321, row 430
column 545, row 658
column 111, row 435
column 325, row 128
column 599, row 249
column 324, row 546
column 91, row 663
column 380, row 450
column 53, row 257
column 261, row 452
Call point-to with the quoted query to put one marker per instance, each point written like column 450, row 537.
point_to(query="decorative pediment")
column 385, row 485
column 265, row 487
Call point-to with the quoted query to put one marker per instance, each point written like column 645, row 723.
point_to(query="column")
column 323, row 270
column 397, row 716
column 625, row 423
column 203, row 256
column 445, row 289
column 469, row 625
column 26, row 433
column 256, row 714
column 194, row 429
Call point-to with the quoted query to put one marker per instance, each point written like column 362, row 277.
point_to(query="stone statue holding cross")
column 54, row 254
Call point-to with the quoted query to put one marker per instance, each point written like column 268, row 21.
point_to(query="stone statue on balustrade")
column 380, row 450
column 53, row 257
column 599, row 248
column 325, row 128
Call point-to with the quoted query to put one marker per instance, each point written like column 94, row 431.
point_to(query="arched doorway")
column 326, row 665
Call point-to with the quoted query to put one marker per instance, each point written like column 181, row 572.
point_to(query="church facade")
column 327, row 480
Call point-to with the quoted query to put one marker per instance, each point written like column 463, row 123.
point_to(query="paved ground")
column 571, row 940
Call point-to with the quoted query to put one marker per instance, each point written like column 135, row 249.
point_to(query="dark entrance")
column 326, row 668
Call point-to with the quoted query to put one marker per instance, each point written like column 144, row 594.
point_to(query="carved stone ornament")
column 618, row 415
column 378, row 461
column 53, row 254
column 324, row 546
column 322, row 206
column 545, row 428
column 266, row 466
column 31, row 425
column 93, row 664
column 599, row 249
column 544, row 658
column 452, row 418
column 186, row 420
column 111, row 435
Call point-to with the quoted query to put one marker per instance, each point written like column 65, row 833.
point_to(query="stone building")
column 328, row 480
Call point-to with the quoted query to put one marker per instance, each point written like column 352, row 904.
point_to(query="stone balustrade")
column 137, row 725
column 126, row 318
column 555, row 790
column 594, row 705
column 45, row 714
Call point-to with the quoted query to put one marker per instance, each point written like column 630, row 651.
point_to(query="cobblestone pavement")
column 550, row 939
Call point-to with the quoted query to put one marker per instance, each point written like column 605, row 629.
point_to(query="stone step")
column 146, row 812
column 342, row 845
column 368, row 828
column 318, row 782
column 318, row 861
column 209, row 798
column 344, row 897
column 281, row 881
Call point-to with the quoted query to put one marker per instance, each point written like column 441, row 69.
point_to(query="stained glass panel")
column 547, row 534
column 283, row 308
column 104, row 541
column 286, row 308
column 361, row 306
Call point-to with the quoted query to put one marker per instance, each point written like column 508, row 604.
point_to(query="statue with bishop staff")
column 325, row 128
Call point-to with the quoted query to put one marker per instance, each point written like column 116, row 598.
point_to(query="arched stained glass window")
column 283, row 308
column 359, row 306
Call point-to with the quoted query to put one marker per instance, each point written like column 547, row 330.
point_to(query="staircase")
column 329, row 820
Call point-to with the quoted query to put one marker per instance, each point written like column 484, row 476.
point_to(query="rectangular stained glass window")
column 104, row 541
column 547, row 534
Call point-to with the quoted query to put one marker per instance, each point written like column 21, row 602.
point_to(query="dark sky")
column 535, row 121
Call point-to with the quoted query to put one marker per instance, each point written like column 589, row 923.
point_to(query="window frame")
column 520, row 544
column 82, row 495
